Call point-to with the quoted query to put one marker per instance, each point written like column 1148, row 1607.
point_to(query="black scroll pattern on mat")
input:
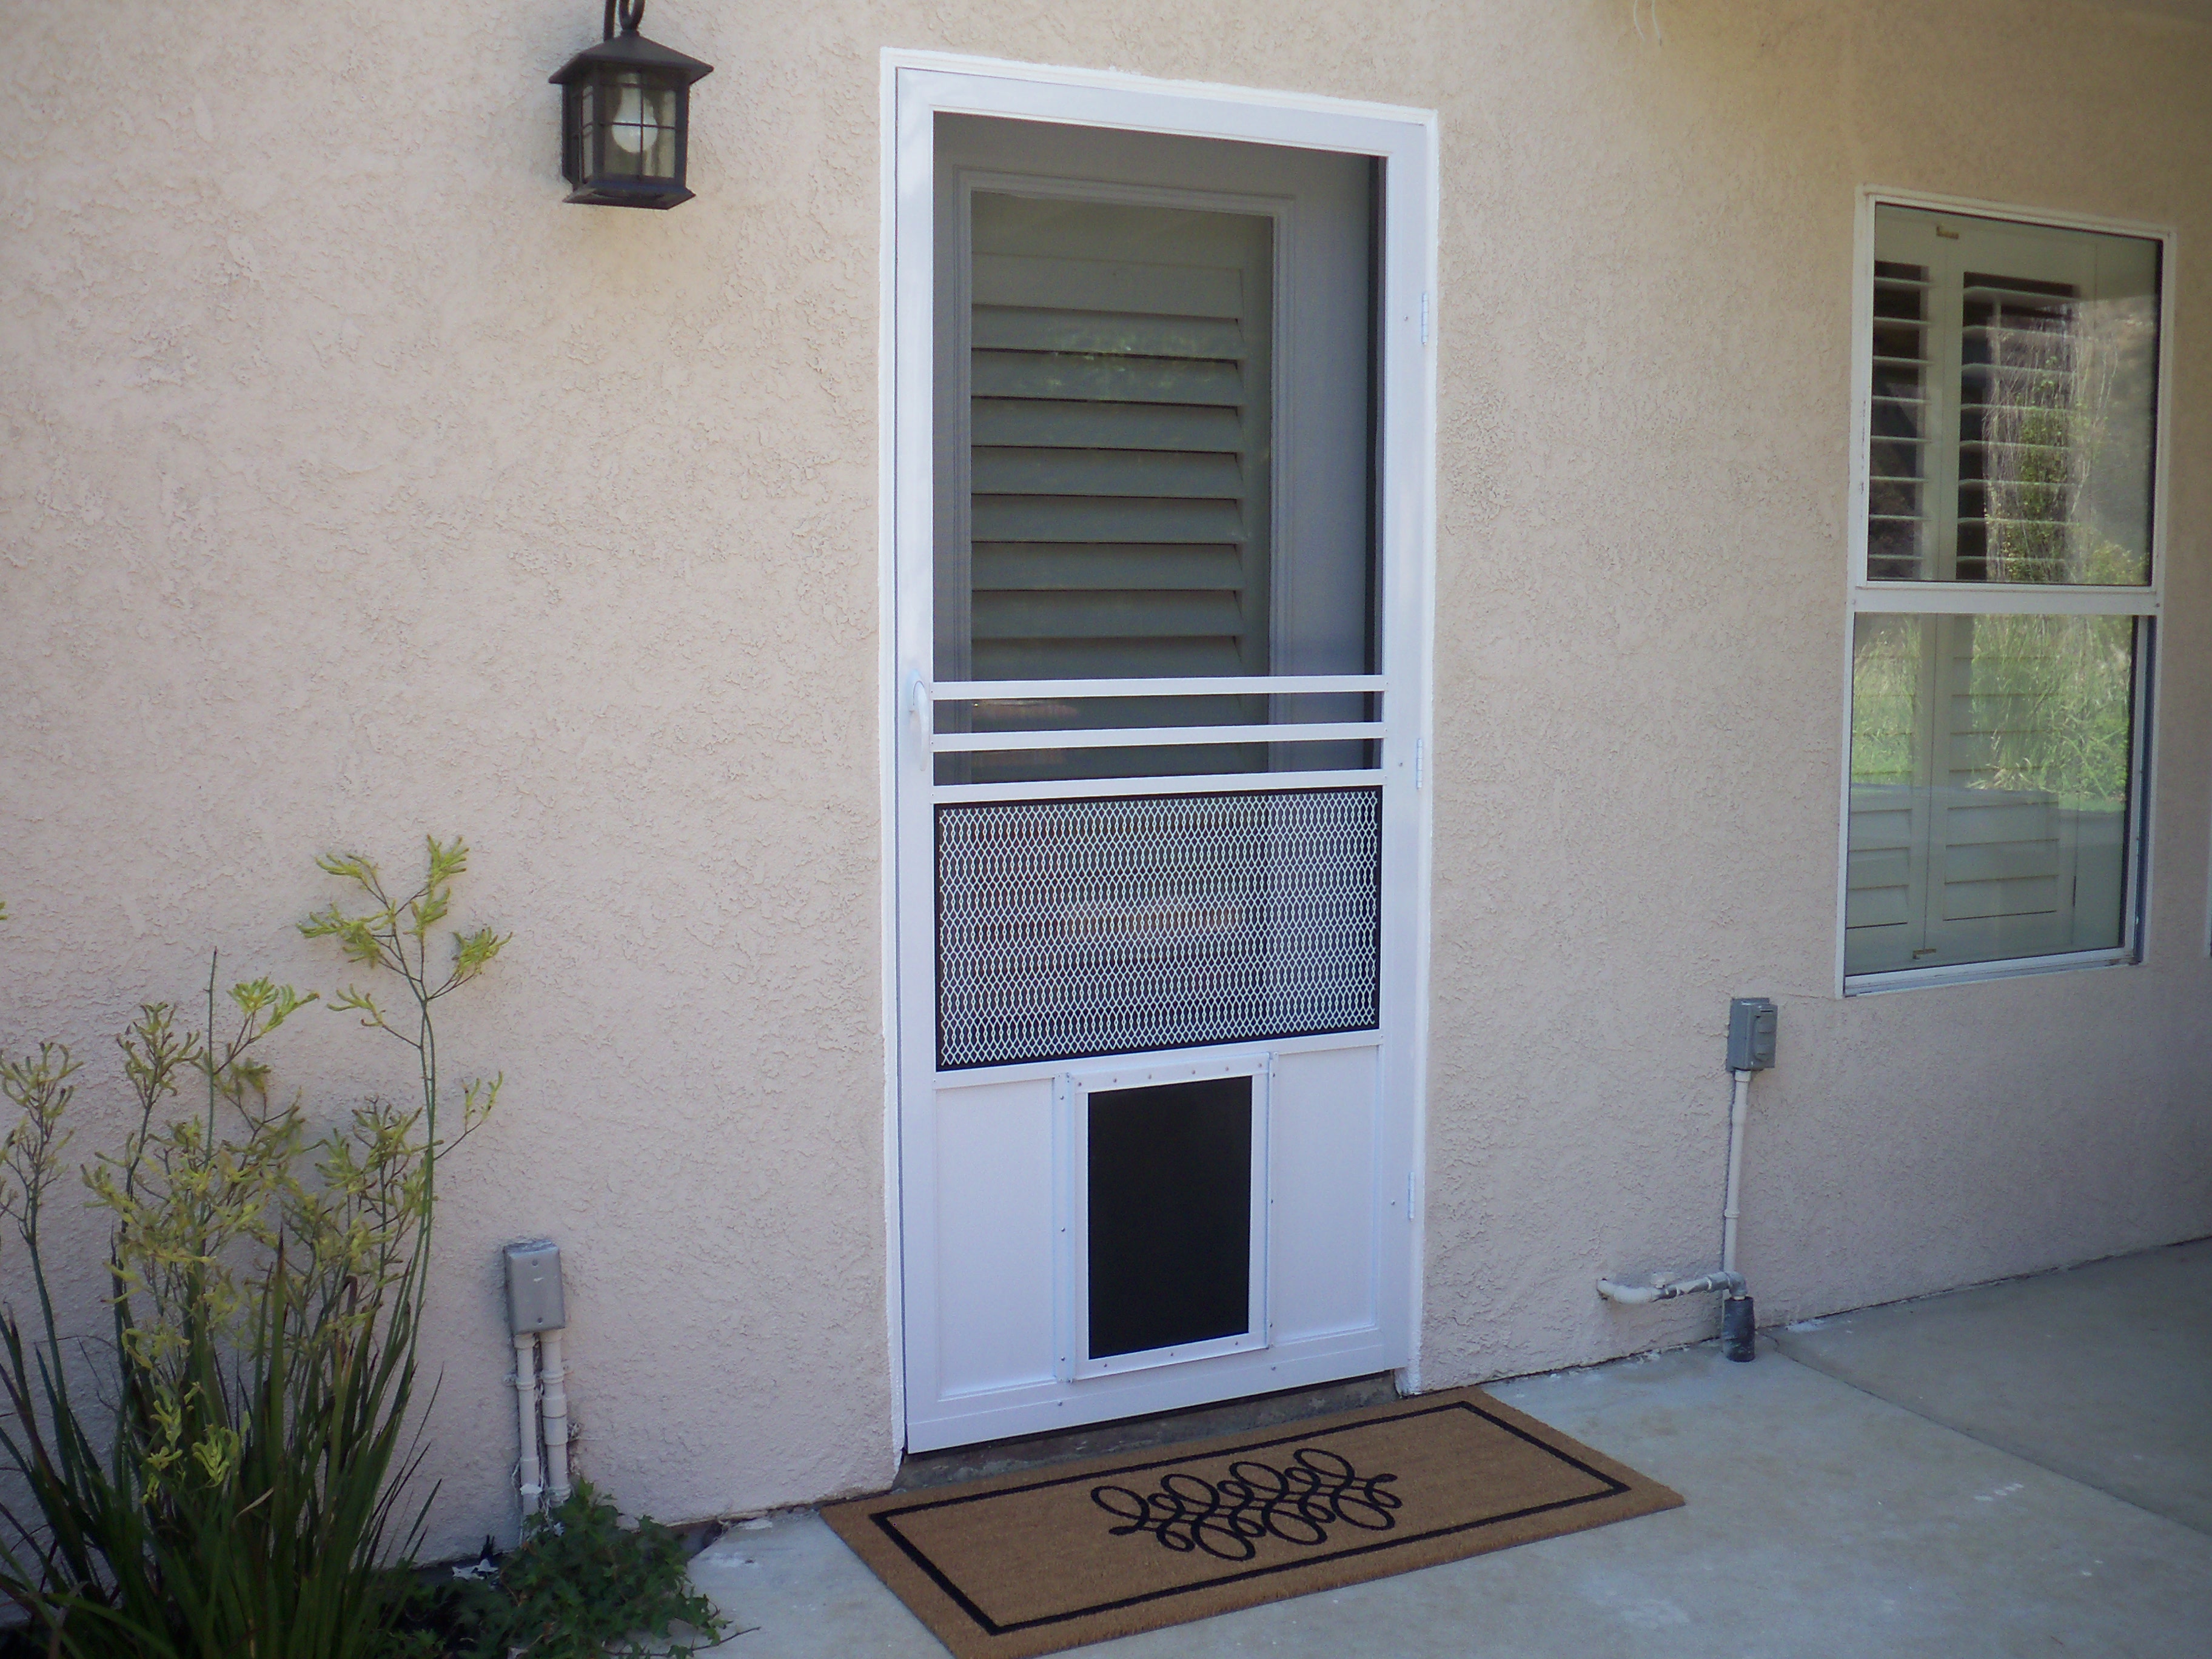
column 1296, row 1503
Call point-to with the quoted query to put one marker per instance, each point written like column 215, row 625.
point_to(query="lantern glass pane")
column 589, row 103
column 637, row 123
column 659, row 158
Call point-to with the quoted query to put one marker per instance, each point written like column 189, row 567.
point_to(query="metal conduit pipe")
column 536, row 1312
column 1739, row 1108
column 555, row 1397
column 1637, row 1295
column 1752, row 1022
column 526, row 1407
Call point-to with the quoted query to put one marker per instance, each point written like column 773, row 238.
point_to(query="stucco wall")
column 353, row 487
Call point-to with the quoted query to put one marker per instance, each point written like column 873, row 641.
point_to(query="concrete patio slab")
column 1822, row 1520
column 2102, row 1372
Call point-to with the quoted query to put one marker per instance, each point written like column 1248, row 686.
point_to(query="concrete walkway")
column 2021, row 1469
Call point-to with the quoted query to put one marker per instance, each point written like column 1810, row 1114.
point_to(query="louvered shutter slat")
column 1153, row 288
column 1119, row 334
column 1106, row 566
column 1107, row 518
column 1148, row 472
column 1040, row 422
column 1118, row 658
column 1122, row 614
column 1107, row 378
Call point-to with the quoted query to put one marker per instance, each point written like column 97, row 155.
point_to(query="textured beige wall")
column 354, row 486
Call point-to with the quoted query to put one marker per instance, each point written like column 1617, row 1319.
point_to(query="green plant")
column 394, row 937
column 580, row 1584
column 222, row 1477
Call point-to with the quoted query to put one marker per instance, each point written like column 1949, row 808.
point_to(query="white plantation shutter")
column 1957, row 852
column 1886, row 893
column 1886, row 862
column 1120, row 427
column 2019, row 391
column 2000, row 868
column 1980, row 418
column 2010, row 428
column 1907, row 464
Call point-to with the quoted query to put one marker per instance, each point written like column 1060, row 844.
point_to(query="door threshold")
column 958, row 1463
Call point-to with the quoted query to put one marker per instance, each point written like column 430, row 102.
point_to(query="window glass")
column 1155, row 451
column 2011, row 439
column 1991, row 786
column 2012, row 426
column 1122, row 428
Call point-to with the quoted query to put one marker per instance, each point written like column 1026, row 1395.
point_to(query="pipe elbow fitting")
column 1632, row 1295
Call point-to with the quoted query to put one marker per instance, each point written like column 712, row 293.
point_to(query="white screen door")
column 1157, row 894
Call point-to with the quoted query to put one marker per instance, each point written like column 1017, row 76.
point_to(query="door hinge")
column 1424, row 316
column 1420, row 762
column 1409, row 1194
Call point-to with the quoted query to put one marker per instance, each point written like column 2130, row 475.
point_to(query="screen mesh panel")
column 1071, row 928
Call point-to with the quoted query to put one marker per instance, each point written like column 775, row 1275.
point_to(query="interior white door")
column 1156, row 878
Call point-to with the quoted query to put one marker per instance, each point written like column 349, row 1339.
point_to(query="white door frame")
column 916, row 85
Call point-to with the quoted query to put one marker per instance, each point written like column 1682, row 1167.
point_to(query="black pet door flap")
column 1170, row 1215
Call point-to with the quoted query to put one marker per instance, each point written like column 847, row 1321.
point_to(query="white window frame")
column 1924, row 598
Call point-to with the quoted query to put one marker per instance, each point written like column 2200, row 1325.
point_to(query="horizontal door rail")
column 1153, row 737
column 1228, row 685
column 1219, row 783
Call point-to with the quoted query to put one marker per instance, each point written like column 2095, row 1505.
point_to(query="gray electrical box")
column 533, row 1288
column 1752, row 1021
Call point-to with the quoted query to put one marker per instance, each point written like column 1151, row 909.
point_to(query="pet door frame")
column 1073, row 1101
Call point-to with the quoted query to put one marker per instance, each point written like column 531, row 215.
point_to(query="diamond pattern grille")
column 1069, row 927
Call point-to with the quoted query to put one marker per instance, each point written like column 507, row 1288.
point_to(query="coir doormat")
column 1055, row 1558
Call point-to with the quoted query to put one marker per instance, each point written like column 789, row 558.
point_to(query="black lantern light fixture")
column 625, row 117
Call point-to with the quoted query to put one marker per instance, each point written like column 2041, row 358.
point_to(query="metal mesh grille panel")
column 1068, row 927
